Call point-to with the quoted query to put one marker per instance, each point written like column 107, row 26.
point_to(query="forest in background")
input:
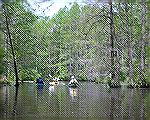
column 106, row 43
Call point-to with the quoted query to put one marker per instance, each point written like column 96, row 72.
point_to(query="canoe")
column 54, row 83
column 73, row 85
column 40, row 84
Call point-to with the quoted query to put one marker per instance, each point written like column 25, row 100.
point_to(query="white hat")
column 72, row 77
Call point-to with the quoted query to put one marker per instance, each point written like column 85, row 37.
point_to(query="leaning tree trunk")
column 142, row 45
column 114, row 60
column 130, row 52
column 11, row 44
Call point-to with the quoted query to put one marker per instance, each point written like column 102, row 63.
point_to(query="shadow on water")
column 14, row 113
column 131, row 104
column 4, row 95
column 144, row 98
column 114, row 101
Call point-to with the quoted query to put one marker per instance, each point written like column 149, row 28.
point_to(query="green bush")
column 82, row 77
column 10, row 76
column 1, row 61
column 122, row 76
column 29, row 75
column 1, row 69
column 147, row 76
column 63, row 74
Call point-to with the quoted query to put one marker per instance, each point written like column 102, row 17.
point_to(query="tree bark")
column 142, row 44
column 11, row 45
column 114, row 61
column 130, row 52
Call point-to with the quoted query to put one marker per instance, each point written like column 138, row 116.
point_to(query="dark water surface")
column 89, row 102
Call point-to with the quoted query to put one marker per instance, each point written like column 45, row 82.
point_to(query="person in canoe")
column 55, row 81
column 39, row 80
column 73, row 82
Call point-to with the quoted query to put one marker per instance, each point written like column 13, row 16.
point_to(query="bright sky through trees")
column 50, row 7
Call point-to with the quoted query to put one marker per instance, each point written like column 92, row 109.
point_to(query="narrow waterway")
column 88, row 102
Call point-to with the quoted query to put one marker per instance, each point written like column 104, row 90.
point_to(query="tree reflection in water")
column 51, row 89
column 73, row 93
column 14, row 113
column 40, row 88
column 91, row 101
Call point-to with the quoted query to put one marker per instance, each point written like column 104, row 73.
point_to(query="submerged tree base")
column 131, row 86
column 16, row 85
column 114, row 85
column 144, row 85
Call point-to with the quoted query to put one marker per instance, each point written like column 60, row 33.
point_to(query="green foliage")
column 82, row 76
column 29, row 75
column 136, row 71
column 1, row 61
column 10, row 76
column 147, row 76
column 63, row 73
column 74, row 37
column 147, row 61
column 122, row 76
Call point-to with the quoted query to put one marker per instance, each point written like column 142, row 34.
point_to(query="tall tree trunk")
column 114, row 64
column 11, row 44
column 129, row 40
column 142, row 45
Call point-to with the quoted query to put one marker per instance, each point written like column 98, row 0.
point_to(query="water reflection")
column 40, row 88
column 73, row 92
column 89, row 102
column 15, row 103
column 51, row 89
column 4, row 99
column 143, row 94
column 115, row 103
